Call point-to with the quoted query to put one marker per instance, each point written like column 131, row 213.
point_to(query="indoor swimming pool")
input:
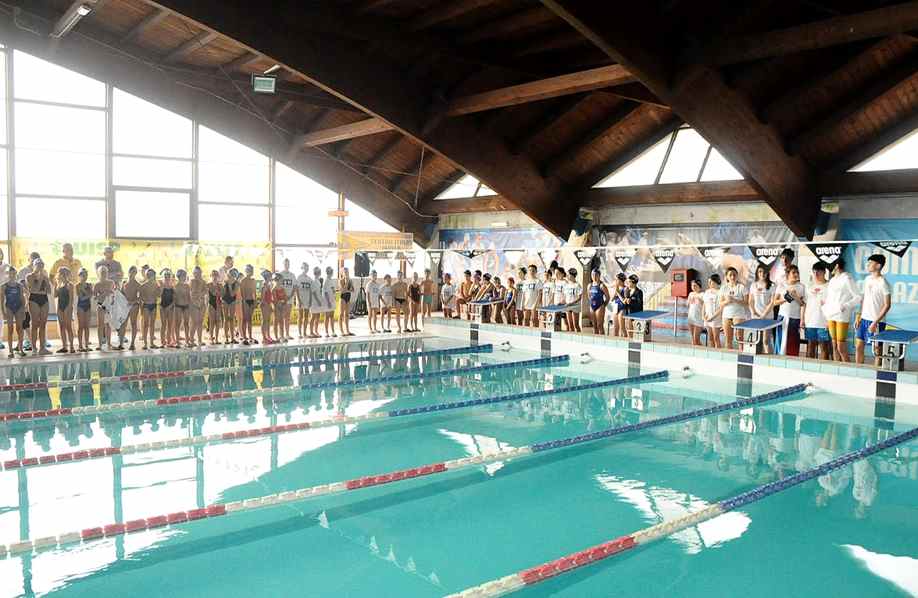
column 422, row 467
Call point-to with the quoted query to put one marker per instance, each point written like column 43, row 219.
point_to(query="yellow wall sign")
column 365, row 241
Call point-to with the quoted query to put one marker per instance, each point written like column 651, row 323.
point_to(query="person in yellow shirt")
column 68, row 261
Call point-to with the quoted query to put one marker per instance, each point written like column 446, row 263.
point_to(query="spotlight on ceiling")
column 69, row 19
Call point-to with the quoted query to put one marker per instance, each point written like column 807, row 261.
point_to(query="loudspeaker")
column 361, row 265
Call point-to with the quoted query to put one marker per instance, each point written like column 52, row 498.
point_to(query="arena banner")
column 622, row 257
column 664, row 257
column 901, row 271
column 766, row 255
column 827, row 253
column 898, row 248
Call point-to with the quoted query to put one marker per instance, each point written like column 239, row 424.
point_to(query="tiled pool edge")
column 849, row 380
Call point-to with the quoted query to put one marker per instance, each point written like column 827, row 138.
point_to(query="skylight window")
column 897, row 156
column 467, row 186
column 677, row 158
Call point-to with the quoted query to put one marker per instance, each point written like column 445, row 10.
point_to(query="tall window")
column 60, row 150
column 152, row 169
column 233, row 190
column 302, row 207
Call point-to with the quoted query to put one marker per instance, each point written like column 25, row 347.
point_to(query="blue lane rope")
column 654, row 377
column 764, row 490
column 672, row 419
column 532, row 363
column 487, row 348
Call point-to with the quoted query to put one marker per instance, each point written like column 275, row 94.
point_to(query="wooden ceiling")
column 538, row 99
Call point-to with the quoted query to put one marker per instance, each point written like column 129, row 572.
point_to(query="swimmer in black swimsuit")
column 39, row 285
column 63, row 292
column 84, row 302
column 149, row 293
column 12, row 294
column 230, row 294
column 168, row 333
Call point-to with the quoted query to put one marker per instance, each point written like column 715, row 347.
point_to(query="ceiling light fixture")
column 70, row 18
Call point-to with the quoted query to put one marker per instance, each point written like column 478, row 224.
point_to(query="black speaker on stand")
column 361, row 264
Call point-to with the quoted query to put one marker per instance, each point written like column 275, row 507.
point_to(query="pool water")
column 852, row 533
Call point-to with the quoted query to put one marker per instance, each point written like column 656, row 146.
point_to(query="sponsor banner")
column 899, row 248
column 480, row 249
column 827, row 253
column 766, row 255
column 622, row 257
column 350, row 241
column 664, row 257
column 714, row 255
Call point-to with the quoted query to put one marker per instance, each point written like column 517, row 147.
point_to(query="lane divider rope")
column 129, row 449
column 506, row 455
column 528, row 577
column 255, row 392
column 96, row 379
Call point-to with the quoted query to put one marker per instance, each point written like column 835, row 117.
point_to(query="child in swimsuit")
column 12, row 304
column 198, row 307
column 386, row 302
column 214, row 307
column 182, row 305
column 247, row 290
column 149, row 295
column 168, row 333
column 280, row 308
column 100, row 293
column 64, row 293
column 414, row 303
column 346, row 285
column 38, row 285
column 329, row 291
column 267, row 307
column 84, row 303
column 400, row 295
column 229, row 294
column 317, row 303
column 599, row 297
column 131, row 290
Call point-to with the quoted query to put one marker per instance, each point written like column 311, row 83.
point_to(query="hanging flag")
column 715, row 255
column 895, row 247
column 623, row 257
column 827, row 253
column 766, row 254
column 664, row 257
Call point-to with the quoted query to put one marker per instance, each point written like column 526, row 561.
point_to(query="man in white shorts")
column 386, row 301
column 303, row 300
column 531, row 295
column 288, row 283
column 373, row 287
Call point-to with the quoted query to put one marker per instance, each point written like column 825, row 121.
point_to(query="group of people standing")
column 818, row 314
column 529, row 300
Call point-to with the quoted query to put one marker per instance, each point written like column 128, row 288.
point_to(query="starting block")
column 641, row 324
column 891, row 346
column 476, row 308
column 551, row 312
column 750, row 333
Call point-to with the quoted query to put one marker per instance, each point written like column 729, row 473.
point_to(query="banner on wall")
column 480, row 249
column 898, row 248
column 623, row 257
column 827, row 253
column 350, row 241
column 664, row 257
column 766, row 255
column 715, row 255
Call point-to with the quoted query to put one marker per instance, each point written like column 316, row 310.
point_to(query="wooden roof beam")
column 869, row 183
column 151, row 20
column 556, row 163
column 239, row 63
column 700, row 96
column 880, row 22
column 446, row 10
column 197, row 42
column 490, row 100
column 880, row 86
column 875, row 143
column 521, row 21
column 381, row 154
column 547, row 120
column 631, row 152
column 281, row 109
column 466, row 205
column 384, row 91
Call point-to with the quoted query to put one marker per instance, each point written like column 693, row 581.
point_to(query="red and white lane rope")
column 399, row 476
column 96, row 379
column 528, row 577
column 337, row 420
column 257, row 392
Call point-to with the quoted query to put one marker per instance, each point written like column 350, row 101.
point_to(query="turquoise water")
column 851, row 534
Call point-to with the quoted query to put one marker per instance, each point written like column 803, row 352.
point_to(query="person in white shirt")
column 303, row 300
column 762, row 301
column 572, row 293
column 548, row 292
column 813, row 320
column 842, row 296
column 316, row 302
column 386, row 302
column 712, row 311
column 329, row 292
column 876, row 304
column 447, row 296
column 288, row 283
column 373, row 287
column 790, row 300
column 532, row 294
column 733, row 300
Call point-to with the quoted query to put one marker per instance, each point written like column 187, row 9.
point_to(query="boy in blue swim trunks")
column 875, row 306
column 813, row 318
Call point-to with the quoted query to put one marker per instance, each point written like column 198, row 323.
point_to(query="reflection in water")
column 663, row 504
column 899, row 570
